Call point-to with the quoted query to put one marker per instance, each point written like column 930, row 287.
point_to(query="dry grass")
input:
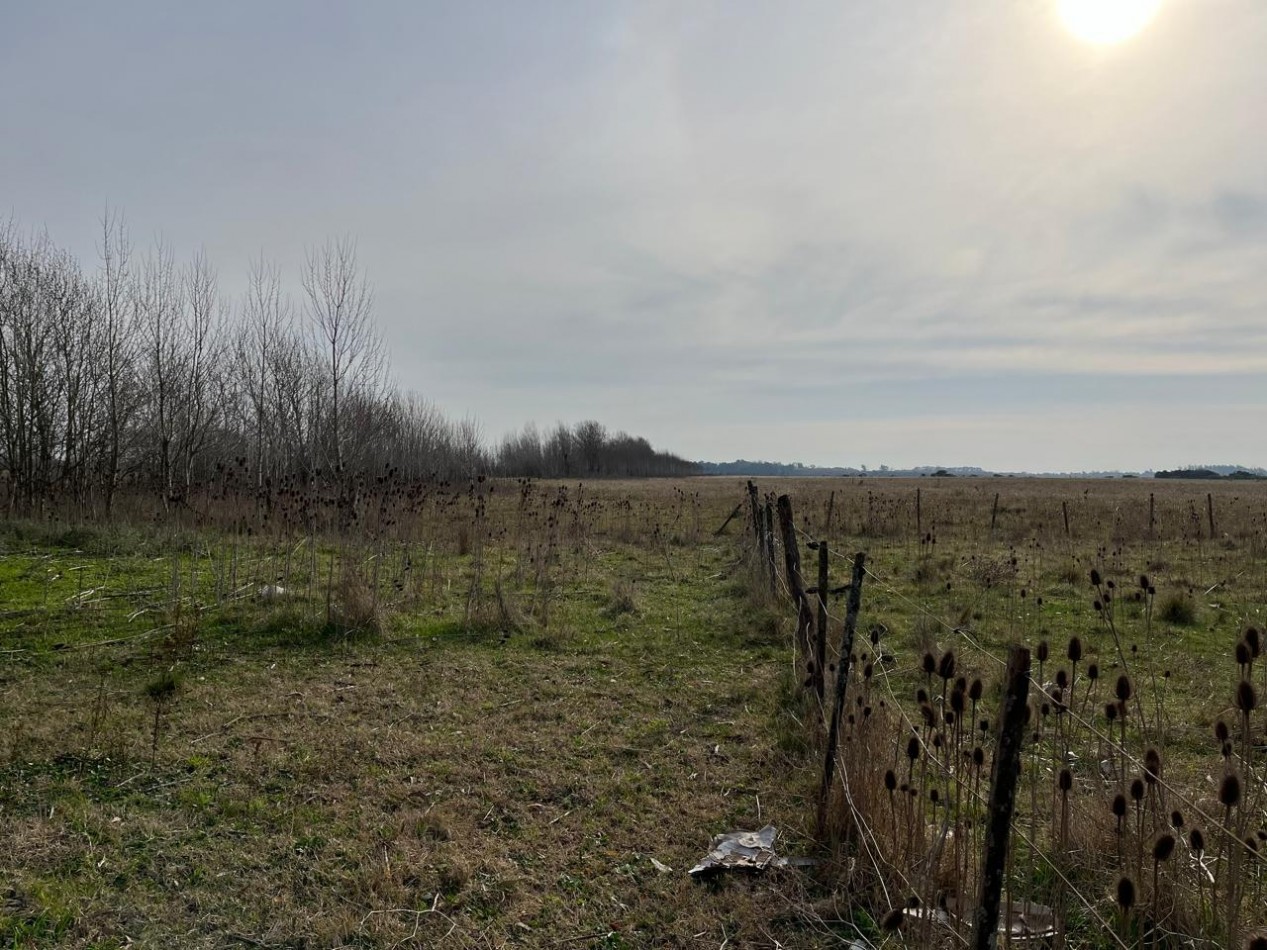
column 562, row 683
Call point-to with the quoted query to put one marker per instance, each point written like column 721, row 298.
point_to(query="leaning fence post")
column 1209, row 507
column 854, row 605
column 792, row 563
column 1003, row 779
column 820, row 641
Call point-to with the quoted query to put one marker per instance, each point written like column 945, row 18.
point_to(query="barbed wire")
column 965, row 636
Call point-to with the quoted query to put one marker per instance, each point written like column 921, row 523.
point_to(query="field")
column 492, row 714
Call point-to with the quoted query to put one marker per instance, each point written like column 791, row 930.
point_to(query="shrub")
column 1179, row 609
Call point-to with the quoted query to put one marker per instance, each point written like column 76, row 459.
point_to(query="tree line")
column 140, row 374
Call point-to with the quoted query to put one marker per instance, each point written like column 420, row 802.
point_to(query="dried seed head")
column 1230, row 791
column 978, row 756
column 1152, row 766
column 1164, row 848
column 1220, row 731
column 893, row 919
column 974, row 691
column 912, row 749
column 1119, row 805
column 946, row 668
column 1065, row 780
column 1197, row 840
column 1093, row 672
column 1062, row 680
column 1125, row 893
column 930, row 664
column 1110, row 711
column 1095, row 577
column 1123, row 688
column 1255, row 642
column 1137, row 790
column 890, row 780
column 1246, row 700
column 1242, row 654
column 1176, row 820
column 1075, row 650
column 1043, row 651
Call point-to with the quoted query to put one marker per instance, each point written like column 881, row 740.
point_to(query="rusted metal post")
column 1003, row 780
column 854, row 605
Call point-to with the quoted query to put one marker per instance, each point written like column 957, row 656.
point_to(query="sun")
column 1106, row 22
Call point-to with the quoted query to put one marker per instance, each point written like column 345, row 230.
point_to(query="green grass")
column 447, row 782
column 430, row 767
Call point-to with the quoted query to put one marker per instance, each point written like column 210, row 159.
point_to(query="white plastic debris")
column 741, row 851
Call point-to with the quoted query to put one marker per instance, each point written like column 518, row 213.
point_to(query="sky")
column 842, row 233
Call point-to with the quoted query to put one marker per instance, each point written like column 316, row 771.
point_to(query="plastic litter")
column 751, row 851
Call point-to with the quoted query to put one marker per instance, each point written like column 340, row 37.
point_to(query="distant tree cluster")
column 140, row 373
column 1238, row 474
column 585, row 450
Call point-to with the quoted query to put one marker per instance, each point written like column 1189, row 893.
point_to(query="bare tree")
column 156, row 296
column 340, row 305
column 266, row 328
column 200, row 364
column 116, row 348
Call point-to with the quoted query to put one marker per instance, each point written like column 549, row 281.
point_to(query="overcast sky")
column 841, row 232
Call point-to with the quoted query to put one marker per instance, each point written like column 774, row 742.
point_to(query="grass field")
column 478, row 727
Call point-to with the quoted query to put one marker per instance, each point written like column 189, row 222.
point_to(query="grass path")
column 441, row 789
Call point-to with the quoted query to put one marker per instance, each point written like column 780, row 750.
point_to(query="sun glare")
column 1107, row 21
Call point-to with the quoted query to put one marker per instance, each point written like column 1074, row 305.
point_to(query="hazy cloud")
column 699, row 222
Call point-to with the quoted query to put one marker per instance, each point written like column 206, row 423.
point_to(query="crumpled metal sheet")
column 741, row 851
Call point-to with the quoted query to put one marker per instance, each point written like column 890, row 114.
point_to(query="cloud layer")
column 840, row 233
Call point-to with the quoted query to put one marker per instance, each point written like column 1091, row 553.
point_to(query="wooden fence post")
column 767, row 539
column 1209, row 507
column 1003, row 779
column 820, row 642
column 756, row 514
column 1152, row 522
column 1064, row 508
column 792, row 564
column 994, row 515
column 919, row 516
column 842, row 682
